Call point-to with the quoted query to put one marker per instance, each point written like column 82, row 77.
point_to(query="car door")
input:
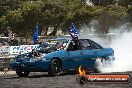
column 73, row 56
column 87, row 54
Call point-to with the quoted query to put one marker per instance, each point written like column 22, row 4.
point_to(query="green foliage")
column 103, row 2
column 117, row 11
column 3, row 23
column 22, row 15
column 14, row 17
column 111, row 16
column 125, row 3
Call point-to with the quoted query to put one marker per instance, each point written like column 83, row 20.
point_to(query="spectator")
column 42, row 33
column 13, row 35
column 10, row 34
column 14, row 42
column 6, row 33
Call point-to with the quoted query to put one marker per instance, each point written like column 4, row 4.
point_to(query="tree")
column 111, row 16
column 6, row 8
column 124, row 3
column 7, row 5
column 130, row 14
column 30, row 12
column 22, row 15
column 77, row 13
column 14, row 18
column 103, row 2
column 53, row 15
column 3, row 23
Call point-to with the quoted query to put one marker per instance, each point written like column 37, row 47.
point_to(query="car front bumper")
column 30, row 66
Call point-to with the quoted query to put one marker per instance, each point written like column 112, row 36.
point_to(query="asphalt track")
column 42, row 80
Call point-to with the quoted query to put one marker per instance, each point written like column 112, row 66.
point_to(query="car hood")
column 58, row 54
column 22, row 59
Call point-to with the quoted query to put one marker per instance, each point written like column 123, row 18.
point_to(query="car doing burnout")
column 69, row 55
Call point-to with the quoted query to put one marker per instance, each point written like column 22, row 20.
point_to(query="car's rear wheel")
column 99, row 64
column 22, row 73
column 54, row 67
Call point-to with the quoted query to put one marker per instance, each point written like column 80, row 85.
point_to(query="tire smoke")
column 123, row 53
column 120, row 39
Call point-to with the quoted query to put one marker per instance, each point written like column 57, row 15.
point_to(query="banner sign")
column 22, row 49
column 4, row 50
column 14, row 50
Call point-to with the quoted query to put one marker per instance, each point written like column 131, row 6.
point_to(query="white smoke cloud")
column 120, row 39
column 123, row 53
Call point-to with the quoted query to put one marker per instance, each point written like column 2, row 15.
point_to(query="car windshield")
column 54, row 44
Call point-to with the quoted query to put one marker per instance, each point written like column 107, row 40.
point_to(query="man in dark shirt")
column 6, row 33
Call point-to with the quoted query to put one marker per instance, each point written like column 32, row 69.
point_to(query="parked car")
column 72, row 54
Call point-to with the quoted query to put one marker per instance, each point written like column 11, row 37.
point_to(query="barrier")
column 15, row 50
column 22, row 49
column 4, row 50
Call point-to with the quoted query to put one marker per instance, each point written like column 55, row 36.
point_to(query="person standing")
column 10, row 34
column 42, row 33
column 6, row 33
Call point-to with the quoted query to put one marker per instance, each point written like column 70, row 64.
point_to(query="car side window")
column 85, row 44
column 95, row 45
column 74, row 45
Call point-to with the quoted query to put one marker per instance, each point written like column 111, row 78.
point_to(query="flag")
column 73, row 31
column 37, row 30
column 35, row 35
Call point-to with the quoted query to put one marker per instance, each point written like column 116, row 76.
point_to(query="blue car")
column 69, row 55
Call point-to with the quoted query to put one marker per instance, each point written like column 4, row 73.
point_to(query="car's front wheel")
column 54, row 67
column 22, row 73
